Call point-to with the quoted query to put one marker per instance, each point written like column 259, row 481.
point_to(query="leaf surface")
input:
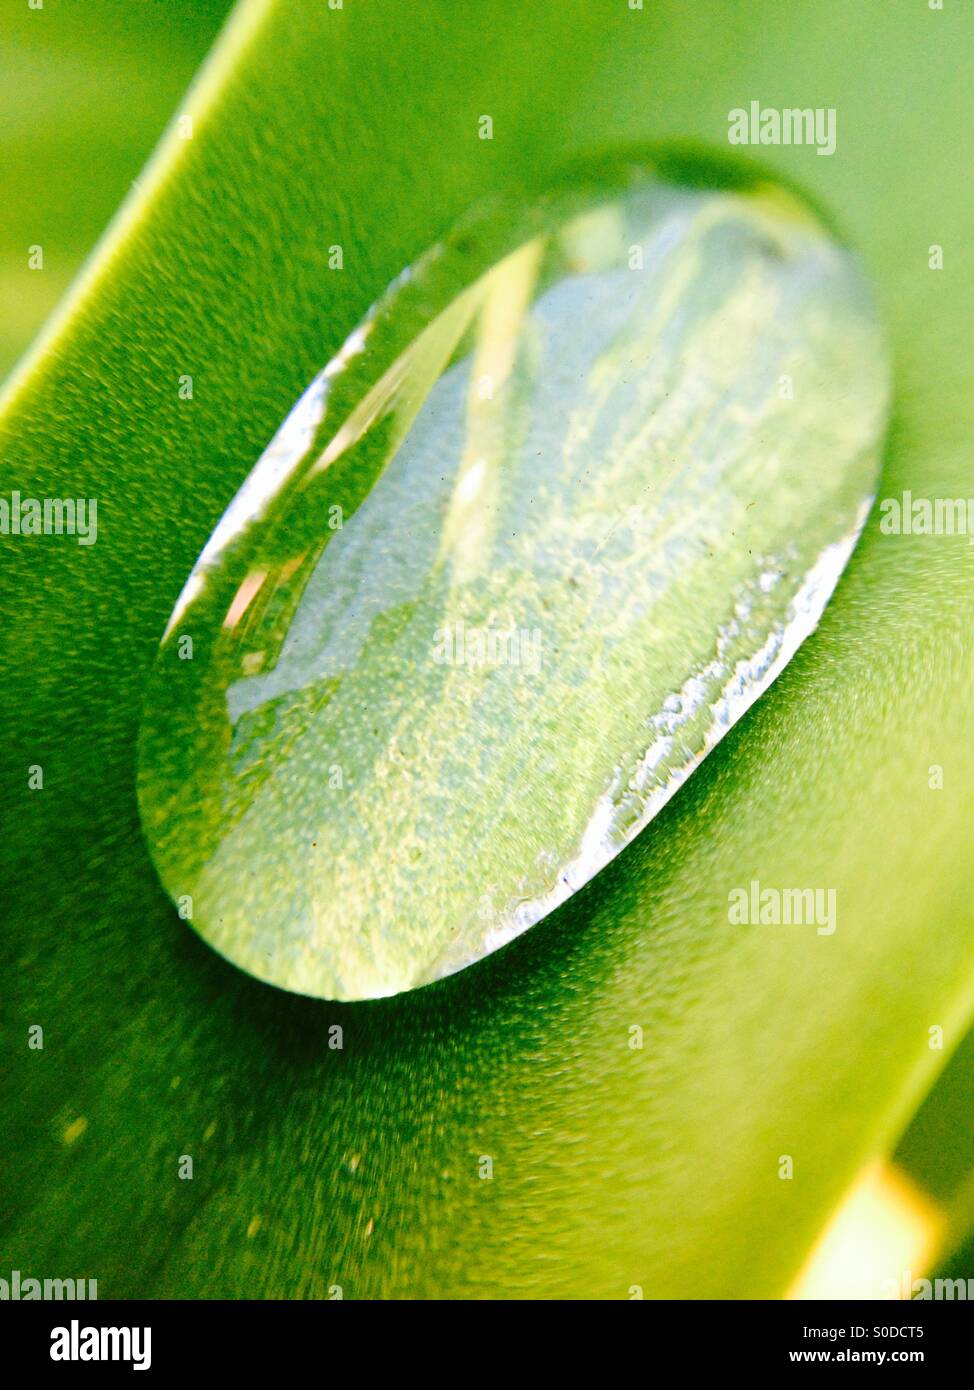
column 612, row 1166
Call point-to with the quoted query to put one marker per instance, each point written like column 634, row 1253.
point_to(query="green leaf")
column 84, row 96
column 612, row 1166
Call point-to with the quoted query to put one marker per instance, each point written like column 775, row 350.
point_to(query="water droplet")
column 557, row 513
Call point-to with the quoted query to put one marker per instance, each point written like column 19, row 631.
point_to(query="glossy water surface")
column 559, row 511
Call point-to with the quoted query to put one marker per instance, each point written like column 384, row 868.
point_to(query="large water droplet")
column 558, row 512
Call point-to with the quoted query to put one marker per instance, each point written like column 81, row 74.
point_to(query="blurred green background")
column 613, row 1168
column 86, row 89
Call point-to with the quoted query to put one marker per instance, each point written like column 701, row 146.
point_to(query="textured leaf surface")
column 611, row 1166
